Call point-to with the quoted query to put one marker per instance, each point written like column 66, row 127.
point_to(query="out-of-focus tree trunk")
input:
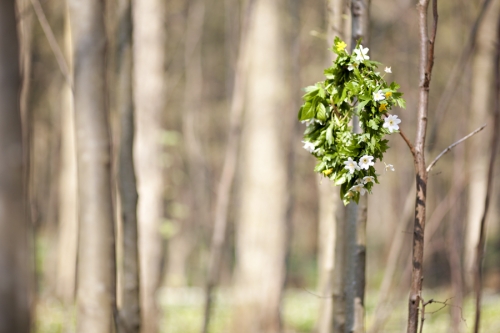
column 96, row 256
column 68, row 200
column 261, row 229
column 181, row 245
column 149, row 94
column 129, row 312
column 226, row 181
column 481, row 102
column 495, row 138
column 331, row 250
column 14, row 255
column 455, row 248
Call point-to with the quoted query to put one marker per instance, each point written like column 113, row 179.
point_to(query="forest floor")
column 183, row 308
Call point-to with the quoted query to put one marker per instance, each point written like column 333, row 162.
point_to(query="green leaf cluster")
column 329, row 107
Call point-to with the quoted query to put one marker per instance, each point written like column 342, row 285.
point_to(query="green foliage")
column 352, row 88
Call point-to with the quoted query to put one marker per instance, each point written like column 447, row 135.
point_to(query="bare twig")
column 429, row 168
column 495, row 136
column 412, row 149
column 318, row 296
column 47, row 30
column 430, row 57
column 431, row 301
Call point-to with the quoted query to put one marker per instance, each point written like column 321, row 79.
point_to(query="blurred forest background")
column 217, row 85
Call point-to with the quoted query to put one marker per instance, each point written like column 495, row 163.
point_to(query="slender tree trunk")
column 356, row 214
column 454, row 243
column 149, row 94
column 68, row 200
column 481, row 99
column 182, row 244
column 14, row 255
column 425, row 70
column 331, row 215
column 96, row 256
column 495, row 136
column 261, row 230
column 228, row 169
column 129, row 313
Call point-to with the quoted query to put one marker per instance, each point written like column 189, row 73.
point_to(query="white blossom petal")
column 361, row 53
column 378, row 96
column 309, row 146
column 365, row 162
column 368, row 179
column 351, row 165
column 391, row 123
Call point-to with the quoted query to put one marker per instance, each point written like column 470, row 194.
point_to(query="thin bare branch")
column 47, row 30
column 412, row 149
column 429, row 168
column 430, row 62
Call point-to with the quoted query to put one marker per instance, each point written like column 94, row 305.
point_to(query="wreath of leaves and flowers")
column 352, row 88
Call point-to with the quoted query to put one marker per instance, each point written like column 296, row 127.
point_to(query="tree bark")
column 129, row 312
column 14, row 256
column 425, row 69
column 96, row 256
column 149, row 95
column 331, row 249
column 356, row 215
column 261, row 229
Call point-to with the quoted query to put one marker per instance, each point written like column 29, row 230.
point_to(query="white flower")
column 361, row 53
column 359, row 188
column 389, row 167
column 351, row 165
column 350, row 67
column 378, row 96
column 365, row 162
column 368, row 179
column 309, row 146
column 391, row 123
column 388, row 70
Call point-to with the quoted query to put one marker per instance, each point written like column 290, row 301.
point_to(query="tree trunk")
column 261, row 229
column 181, row 245
column 481, row 100
column 425, row 69
column 149, row 94
column 96, row 256
column 14, row 255
column 68, row 200
column 356, row 215
column 331, row 238
column 129, row 313
column 495, row 138
column 229, row 168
